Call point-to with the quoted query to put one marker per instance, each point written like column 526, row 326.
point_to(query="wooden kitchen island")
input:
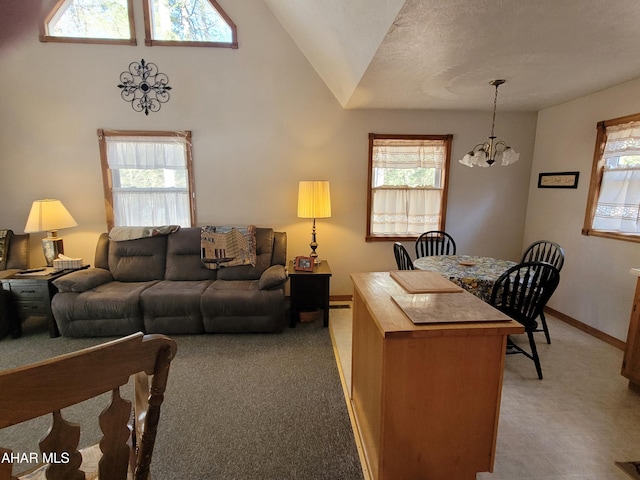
column 426, row 398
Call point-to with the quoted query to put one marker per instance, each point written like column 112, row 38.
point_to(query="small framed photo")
column 304, row 264
column 558, row 180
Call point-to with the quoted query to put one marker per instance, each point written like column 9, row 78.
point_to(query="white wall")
column 595, row 285
column 262, row 120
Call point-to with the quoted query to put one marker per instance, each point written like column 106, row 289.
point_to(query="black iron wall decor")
column 145, row 87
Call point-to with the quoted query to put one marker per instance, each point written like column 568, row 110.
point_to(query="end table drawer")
column 26, row 309
column 25, row 292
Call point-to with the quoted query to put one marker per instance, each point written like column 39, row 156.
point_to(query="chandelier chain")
column 495, row 106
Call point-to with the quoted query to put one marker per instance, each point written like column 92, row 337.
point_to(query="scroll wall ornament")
column 145, row 87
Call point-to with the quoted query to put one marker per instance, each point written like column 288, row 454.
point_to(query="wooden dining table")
column 476, row 274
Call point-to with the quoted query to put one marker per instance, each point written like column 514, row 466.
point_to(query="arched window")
column 201, row 23
column 188, row 23
column 90, row 21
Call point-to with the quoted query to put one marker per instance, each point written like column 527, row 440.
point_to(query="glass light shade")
column 48, row 215
column 480, row 158
column 467, row 160
column 314, row 199
column 510, row 156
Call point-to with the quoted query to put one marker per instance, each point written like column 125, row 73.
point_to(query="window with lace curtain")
column 147, row 178
column 407, row 187
column 613, row 208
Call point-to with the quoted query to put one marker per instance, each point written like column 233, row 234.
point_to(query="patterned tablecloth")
column 475, row 274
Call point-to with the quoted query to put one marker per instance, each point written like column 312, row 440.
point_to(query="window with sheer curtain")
column 614, row 196
column 408, row 180
column 147, row 178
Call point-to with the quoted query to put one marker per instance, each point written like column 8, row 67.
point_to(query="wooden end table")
column 309, row 290
column 30, row 295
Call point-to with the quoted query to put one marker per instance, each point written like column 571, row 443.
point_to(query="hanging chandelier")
column 485, row 154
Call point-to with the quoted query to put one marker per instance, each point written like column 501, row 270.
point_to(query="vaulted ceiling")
column 442, row 54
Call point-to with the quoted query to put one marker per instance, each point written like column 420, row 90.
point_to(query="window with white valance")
column 408, row 178
column 614, row 195
column 147, row 178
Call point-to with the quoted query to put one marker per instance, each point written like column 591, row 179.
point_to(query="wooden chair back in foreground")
column 403, row 259
column 48, row 386
column 544, row 251
column 435, row 242
column 522, row 292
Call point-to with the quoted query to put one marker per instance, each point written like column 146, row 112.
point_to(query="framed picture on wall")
column 558, row 180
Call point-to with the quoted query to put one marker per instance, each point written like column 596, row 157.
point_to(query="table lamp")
column 314, row 201
column 49, row 216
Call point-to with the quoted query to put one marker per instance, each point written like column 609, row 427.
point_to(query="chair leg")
column 534, row 354
column 545, row 329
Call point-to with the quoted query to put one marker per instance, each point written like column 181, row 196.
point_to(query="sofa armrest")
column 273, row 277
column 83, row 280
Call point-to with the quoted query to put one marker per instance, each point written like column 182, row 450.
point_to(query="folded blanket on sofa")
column 224, row 246
column 119, row 234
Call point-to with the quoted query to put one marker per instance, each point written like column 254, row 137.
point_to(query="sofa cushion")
column 111, row 300
column 183, row 257
column 138, row 260
column 110, row 309
column 239, row 298
column 240, row 306
column 83, row 280
column 264, row 250
column 172, row 307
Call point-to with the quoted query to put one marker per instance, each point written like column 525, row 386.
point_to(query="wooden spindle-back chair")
column 47, row 387
column 435, row 242
column 544, row 251
column 522, row 292
column 403, row 259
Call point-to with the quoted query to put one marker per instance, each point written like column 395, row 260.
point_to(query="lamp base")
column 52, row 247
column 314, row 244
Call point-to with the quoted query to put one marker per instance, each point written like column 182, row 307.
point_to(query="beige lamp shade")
column 48, row 215
column 314, row 199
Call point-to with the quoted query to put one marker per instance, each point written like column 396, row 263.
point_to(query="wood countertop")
column 377, row 288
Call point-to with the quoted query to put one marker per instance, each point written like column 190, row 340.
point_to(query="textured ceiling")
column 442, row 54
